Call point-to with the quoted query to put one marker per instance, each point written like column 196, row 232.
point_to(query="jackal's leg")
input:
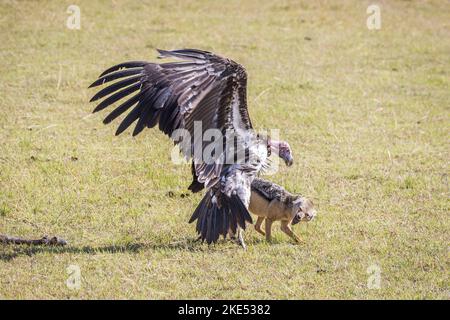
column 258, row 223
column 286, row 228
column 268, row 229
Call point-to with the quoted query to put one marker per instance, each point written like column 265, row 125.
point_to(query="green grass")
column 366, row 113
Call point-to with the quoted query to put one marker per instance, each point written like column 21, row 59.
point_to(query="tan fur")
column 275, row 210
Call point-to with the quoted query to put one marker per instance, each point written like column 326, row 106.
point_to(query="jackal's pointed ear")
column 297, row 201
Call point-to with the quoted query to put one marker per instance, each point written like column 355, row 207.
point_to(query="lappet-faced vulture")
column 188, row 100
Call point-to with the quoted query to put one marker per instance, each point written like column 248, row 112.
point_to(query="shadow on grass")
column 10, row 251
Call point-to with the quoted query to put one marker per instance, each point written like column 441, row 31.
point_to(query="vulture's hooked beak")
column 283, row 150
column 289, row 160
column 285, row 154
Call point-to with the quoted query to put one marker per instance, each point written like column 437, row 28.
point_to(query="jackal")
column 272, row 202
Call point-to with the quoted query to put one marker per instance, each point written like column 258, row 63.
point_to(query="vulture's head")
column 304, row 210
column 283, row 150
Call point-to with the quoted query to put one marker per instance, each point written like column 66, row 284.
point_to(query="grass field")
column 365, row 111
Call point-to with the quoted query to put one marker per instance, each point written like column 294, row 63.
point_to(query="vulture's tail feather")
column 217, row 215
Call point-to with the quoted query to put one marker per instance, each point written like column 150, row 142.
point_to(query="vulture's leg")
column 286, row 228
column 241, row 241
column 238, row 237
column 268, row 229
column 258, row 223
column 232, row 234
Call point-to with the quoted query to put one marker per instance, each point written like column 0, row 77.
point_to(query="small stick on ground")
column 45, row 240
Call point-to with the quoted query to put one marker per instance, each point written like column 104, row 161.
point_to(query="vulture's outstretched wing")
column 175, row 94
column 204, row 88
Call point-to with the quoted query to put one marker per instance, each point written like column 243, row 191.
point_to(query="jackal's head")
column 304, row 210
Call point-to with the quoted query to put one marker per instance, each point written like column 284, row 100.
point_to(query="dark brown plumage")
column 203, row 87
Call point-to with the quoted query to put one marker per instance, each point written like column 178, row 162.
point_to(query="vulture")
column 195, row 94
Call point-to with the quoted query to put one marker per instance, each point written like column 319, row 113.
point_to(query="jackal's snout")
column 305, row 211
